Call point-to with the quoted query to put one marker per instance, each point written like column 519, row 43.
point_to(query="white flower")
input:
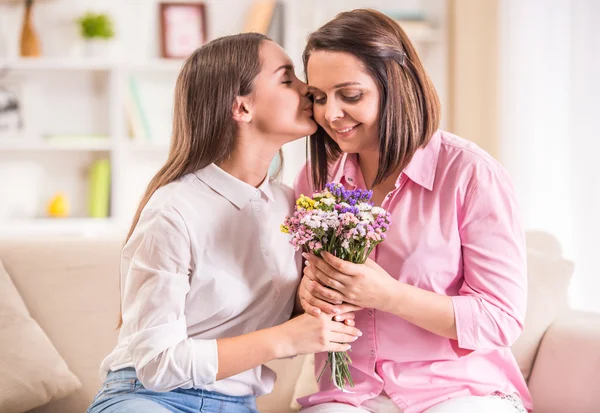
column 328, row 201
column 366, row 217
column 363, row 206
column 378, row 211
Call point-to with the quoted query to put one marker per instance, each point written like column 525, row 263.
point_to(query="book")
column 99, row 189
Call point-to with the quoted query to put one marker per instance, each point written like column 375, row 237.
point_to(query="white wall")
column 137, row 40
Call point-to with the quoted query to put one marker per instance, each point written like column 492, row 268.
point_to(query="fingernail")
column 307, row 263
column 349, row 346
column 335, row 310
column 338, row 302
column 305, row 255
column 359, row 333
column 317, row 311
column 338, row 317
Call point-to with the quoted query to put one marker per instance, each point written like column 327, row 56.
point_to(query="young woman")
column 444, row 296
column 208, row 282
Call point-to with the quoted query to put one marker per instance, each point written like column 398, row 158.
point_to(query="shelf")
column 40, row 146
column 47, row 63
column 147, row 147
column 54, row 63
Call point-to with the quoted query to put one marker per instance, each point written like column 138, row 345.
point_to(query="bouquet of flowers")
column 345, row 224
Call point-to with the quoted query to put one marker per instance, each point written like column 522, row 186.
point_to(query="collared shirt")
column 455, row 231
column 206, row 261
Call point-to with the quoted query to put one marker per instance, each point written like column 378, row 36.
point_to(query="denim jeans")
column 122, row 392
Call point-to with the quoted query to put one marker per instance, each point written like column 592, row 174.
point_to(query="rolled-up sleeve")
column 490, row 308
column 154, row 296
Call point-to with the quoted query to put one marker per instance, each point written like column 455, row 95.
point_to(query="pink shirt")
column 455, row 231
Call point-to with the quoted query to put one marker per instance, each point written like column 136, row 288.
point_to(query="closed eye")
column 353, row 98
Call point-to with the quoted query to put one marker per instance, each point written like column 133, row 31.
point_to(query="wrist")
column 393, row 298
column 281, row 344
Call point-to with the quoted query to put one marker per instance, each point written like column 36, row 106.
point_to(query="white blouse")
column 206, row 261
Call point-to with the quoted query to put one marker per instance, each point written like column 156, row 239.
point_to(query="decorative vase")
column 97, row 48
column 30, row 43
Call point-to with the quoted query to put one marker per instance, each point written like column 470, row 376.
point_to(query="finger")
column 312, row 288
column 316, row 302
column 343, row 317
column 308, row 308
column 308, row 273
column 326, row 294
column 327, row 269
column 337, row 347
column 348, row 308
column 326, row 280
column 342, row 338
column 344, row 329
column 349, row 323
column 344, row 267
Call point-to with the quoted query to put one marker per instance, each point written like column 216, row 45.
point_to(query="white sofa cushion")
column 31, row 371
column 549, row 276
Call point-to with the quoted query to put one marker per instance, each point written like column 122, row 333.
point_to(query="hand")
column 314, row 302
column 364, row 285
column 307, row 334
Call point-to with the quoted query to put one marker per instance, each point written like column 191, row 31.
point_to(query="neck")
column 249, row 161
column 369, row 163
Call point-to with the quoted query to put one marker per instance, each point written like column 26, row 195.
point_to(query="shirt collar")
column 238, row 192
column 421, row 168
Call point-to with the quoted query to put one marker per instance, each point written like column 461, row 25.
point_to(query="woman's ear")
column 242, row 110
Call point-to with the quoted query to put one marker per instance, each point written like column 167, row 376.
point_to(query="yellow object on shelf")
column 59, row 206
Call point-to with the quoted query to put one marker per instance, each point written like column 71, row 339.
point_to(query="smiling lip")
column 347, row 131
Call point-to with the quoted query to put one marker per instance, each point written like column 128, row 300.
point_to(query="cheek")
column 319, row 115
column 285, row 104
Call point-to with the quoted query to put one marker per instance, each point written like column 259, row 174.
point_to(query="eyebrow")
column 338, row 86
column 286, row 67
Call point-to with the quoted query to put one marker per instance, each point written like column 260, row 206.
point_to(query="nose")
column 333, row 111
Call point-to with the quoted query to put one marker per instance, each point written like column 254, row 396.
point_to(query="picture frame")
column 182, row 28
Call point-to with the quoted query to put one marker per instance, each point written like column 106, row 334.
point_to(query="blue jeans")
column 122, row 392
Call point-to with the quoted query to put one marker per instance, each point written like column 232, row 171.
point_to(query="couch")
column 71, row 288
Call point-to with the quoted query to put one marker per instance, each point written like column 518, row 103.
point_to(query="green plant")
column 94, row 25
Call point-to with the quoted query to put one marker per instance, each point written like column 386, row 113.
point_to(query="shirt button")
column 266, row 253
column 257, row 193
column 257, row 208
column 373, row 352
column 350, row 179
column 370, row 313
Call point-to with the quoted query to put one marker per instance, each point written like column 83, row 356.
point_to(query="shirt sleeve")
column 154, row 295
column 490, row 307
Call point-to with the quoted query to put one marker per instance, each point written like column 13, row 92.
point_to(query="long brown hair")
column 409, row 107
column 203, row 127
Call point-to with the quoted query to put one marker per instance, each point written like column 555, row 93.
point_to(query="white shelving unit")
column 102, row 87
column 86, row 97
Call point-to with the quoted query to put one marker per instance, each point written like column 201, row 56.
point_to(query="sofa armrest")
column 566, row 371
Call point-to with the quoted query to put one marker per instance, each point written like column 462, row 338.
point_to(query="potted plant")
column 97, row 30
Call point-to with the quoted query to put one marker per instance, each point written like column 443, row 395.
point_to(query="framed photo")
column 182, row 28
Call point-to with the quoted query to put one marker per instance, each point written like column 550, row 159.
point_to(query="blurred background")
column 86, row 91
